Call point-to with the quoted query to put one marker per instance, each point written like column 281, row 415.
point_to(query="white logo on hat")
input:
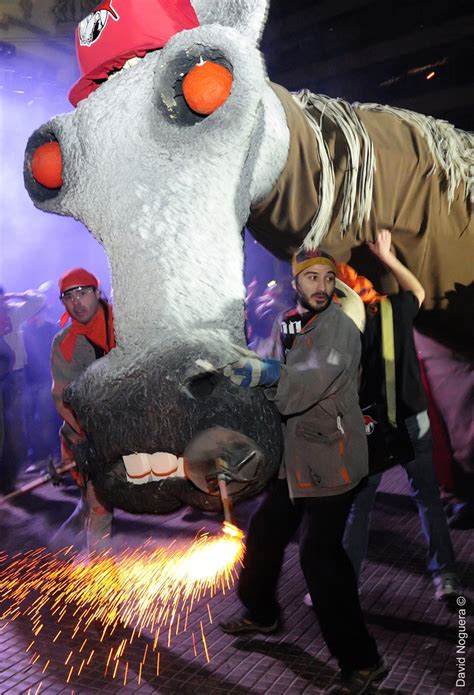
column 91, row 27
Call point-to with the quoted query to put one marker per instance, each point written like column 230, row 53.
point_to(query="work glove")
column 252, row 371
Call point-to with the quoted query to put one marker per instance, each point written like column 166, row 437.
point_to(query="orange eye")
column 206, row 87
column 46, row 165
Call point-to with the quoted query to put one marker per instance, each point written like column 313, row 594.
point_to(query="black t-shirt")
column 411, row 397
column 291, row 324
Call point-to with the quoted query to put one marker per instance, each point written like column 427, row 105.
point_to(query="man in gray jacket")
column 325, row 457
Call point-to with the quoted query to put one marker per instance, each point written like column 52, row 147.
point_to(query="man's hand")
column 252, row 371
column 381, row 247
column 45, row 287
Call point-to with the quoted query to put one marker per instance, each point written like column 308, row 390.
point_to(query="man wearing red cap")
column 89, row 336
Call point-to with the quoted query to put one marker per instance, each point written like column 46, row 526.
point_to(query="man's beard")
column 305, row 302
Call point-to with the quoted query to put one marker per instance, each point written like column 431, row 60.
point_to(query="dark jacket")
column 325, row 449
column 63, row 373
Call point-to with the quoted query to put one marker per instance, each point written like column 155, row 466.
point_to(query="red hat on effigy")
column 118, row 30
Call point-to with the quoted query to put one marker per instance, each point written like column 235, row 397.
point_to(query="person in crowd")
column 7, row 360
column 42, row 419
column 268, row 310
column 88, row 337
column 15, row 309
column 450, row 376
column 411, row 407
column 325, row 457
column 249, row 309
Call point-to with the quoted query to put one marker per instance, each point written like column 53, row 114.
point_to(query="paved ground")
column 418, row 636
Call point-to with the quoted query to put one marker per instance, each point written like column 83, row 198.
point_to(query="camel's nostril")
column 46, row 165
column 239, row 455
column 203, row 386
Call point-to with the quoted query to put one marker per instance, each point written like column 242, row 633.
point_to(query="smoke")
column 35, row 246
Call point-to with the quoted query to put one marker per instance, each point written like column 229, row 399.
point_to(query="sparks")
column 142, row 590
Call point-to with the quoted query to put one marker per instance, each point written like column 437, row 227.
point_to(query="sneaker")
column 462, row 517
column 241, row 625
column 33, row 469
column 358, row 682
column 447, row 586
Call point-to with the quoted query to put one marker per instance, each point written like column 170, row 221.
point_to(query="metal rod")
column 226, row 501
column 41, row 480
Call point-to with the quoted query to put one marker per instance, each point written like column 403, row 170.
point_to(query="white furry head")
column 165, row 191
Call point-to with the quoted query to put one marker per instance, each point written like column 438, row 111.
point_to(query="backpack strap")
column 388, row 354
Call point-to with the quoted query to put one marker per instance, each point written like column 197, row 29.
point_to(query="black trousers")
column 326, row 567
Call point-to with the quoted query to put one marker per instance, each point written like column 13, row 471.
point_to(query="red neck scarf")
column 98, row 331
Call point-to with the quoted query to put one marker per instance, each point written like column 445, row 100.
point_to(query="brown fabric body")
column 436, row 244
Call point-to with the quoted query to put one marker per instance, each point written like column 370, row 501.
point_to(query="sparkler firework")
column 113, row 600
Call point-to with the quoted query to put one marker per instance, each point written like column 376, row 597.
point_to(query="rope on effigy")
column 452, row 149
column 359, row 176
column 322, row 219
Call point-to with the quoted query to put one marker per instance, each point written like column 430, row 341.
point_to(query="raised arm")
column 404, row 277
column 27, row 304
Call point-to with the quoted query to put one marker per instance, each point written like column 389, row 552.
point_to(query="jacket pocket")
column 316, row 433
column 320, row 457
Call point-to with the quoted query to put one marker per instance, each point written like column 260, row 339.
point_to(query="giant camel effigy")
column 167, row 186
